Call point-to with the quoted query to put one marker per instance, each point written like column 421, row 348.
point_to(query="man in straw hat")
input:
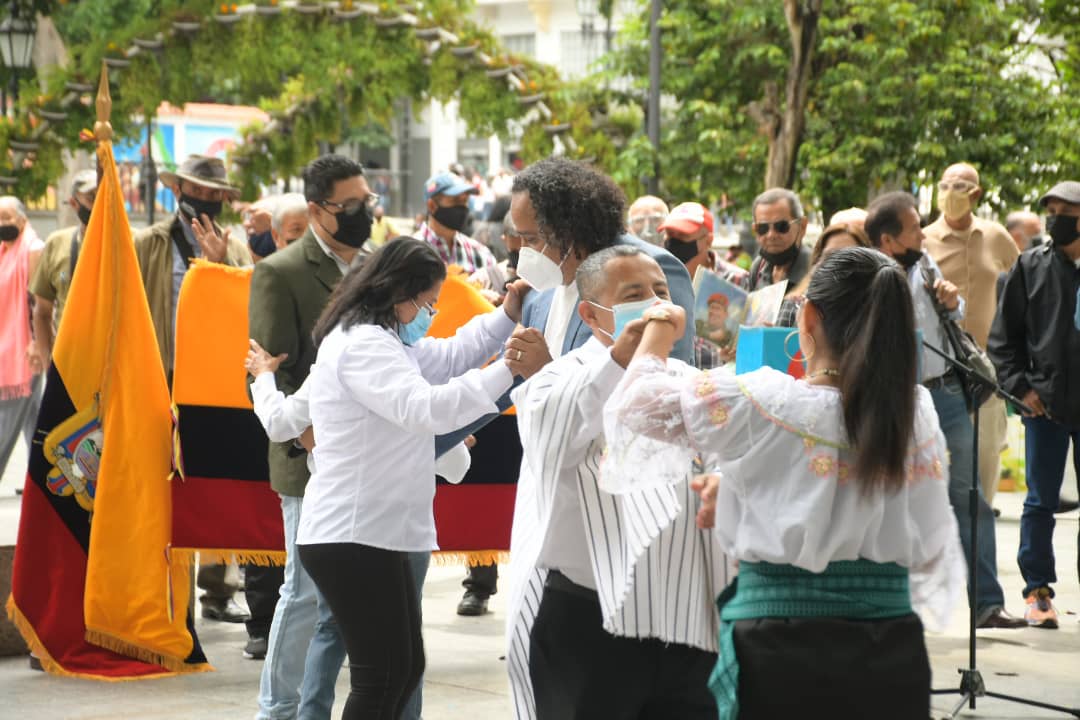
column 165, row 250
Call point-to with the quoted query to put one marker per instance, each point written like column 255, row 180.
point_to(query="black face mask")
column 512, row 258
column 210, row 208
column 909, row 258
column 262, row 244
column 452, row 217
column 9, row 233
column 782, row 258
column 352, row 230
column 84, row 214
column 1062, row 230
column 684, row 250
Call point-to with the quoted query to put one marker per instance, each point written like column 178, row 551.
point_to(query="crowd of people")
column 685, row 539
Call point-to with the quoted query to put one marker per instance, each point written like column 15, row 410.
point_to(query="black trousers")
column 370, row 592
column 581, row 672
column 481, row 580
column 834, row 668
column 261, row 586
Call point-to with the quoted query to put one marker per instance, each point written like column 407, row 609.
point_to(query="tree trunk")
column 783, row 124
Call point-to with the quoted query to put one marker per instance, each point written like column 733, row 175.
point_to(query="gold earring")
column 805, row 356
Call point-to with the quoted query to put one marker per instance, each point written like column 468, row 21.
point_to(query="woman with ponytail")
column 830, row 491
column 379, row 392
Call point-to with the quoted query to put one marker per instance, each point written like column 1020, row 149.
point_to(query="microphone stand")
column 971, row 681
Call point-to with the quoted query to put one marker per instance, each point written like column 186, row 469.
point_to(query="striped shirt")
column 655, row 573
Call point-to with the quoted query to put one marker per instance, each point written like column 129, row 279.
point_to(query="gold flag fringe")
column 54, row 668
column 120, row 646
column 470, row 557
column 225, row 556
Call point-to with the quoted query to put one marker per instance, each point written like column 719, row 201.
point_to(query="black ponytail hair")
column 869, row 322
column 398, row 271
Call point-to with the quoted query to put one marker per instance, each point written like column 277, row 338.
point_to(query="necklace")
column 826, row 372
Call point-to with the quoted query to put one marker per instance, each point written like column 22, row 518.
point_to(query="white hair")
column 15, row 204
column 288, row 204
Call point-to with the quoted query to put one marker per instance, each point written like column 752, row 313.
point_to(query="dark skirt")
column 832, row 668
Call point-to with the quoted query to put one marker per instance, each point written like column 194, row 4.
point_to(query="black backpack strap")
column 180, row 240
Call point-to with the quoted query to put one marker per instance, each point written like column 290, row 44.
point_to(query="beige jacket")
column 153, row 248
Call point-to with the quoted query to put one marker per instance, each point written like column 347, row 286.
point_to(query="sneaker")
column 1040, row 611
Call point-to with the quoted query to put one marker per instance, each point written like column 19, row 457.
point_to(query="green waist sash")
column 855, row 589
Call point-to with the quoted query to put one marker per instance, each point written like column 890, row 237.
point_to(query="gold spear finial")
column 102, row 129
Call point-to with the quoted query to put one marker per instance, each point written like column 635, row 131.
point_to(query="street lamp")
column 587, row 11
column 17, row 46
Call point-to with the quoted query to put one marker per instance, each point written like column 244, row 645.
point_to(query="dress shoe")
column 472, row 604
column 224, row 611
column 1065, row 506
column 256, row 648
column 35, row 663
column 998, row 619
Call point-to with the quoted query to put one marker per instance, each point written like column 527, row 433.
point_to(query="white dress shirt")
column 285, row 418
column 564, row 304
column 341, row 264
column 376, row 406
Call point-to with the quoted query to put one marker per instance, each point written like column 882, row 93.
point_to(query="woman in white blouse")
column 379, row 392
column 831, row 491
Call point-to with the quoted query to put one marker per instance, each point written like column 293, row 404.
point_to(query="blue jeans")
column 1046, row 445
column 956, row 425
column 326, row 655
column 291, row 637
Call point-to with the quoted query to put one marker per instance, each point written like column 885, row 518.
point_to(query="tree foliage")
column 321, row 76
column 896, row 91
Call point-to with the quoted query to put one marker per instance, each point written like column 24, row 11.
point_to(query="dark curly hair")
column 576, row 206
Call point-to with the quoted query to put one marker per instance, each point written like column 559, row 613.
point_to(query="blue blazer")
column 537, row 305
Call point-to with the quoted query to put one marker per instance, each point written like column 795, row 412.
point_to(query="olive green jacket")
column 289, row 290
column 153, row 248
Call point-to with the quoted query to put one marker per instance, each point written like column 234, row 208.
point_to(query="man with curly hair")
column 564, row 211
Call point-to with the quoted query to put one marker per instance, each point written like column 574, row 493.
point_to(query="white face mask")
column 540, row 271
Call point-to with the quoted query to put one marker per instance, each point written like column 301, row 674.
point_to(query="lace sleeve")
column 647, row 444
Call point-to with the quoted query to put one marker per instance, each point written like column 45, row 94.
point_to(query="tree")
column 319, row 68
column 876, row 94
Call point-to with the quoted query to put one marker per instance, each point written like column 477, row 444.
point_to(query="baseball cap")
column 687, row 218
column 445, row 183
column 85, row 181
column 1069, row 191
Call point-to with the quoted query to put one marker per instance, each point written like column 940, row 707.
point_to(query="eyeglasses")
column 529, row 238
column 428, row 307
column 781, row 226
column 351, row 207
column 959, row 185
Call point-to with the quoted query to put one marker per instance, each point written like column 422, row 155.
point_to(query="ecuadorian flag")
column 91, row 586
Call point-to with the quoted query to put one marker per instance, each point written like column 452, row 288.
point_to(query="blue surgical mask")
column 626, row 312
column 412, row 331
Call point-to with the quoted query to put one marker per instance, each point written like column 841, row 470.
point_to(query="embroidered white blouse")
column 787, row 495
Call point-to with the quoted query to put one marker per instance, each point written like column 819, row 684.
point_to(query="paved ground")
column 466, row 675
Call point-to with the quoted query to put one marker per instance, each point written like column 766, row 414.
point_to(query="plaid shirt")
column 468, row 254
